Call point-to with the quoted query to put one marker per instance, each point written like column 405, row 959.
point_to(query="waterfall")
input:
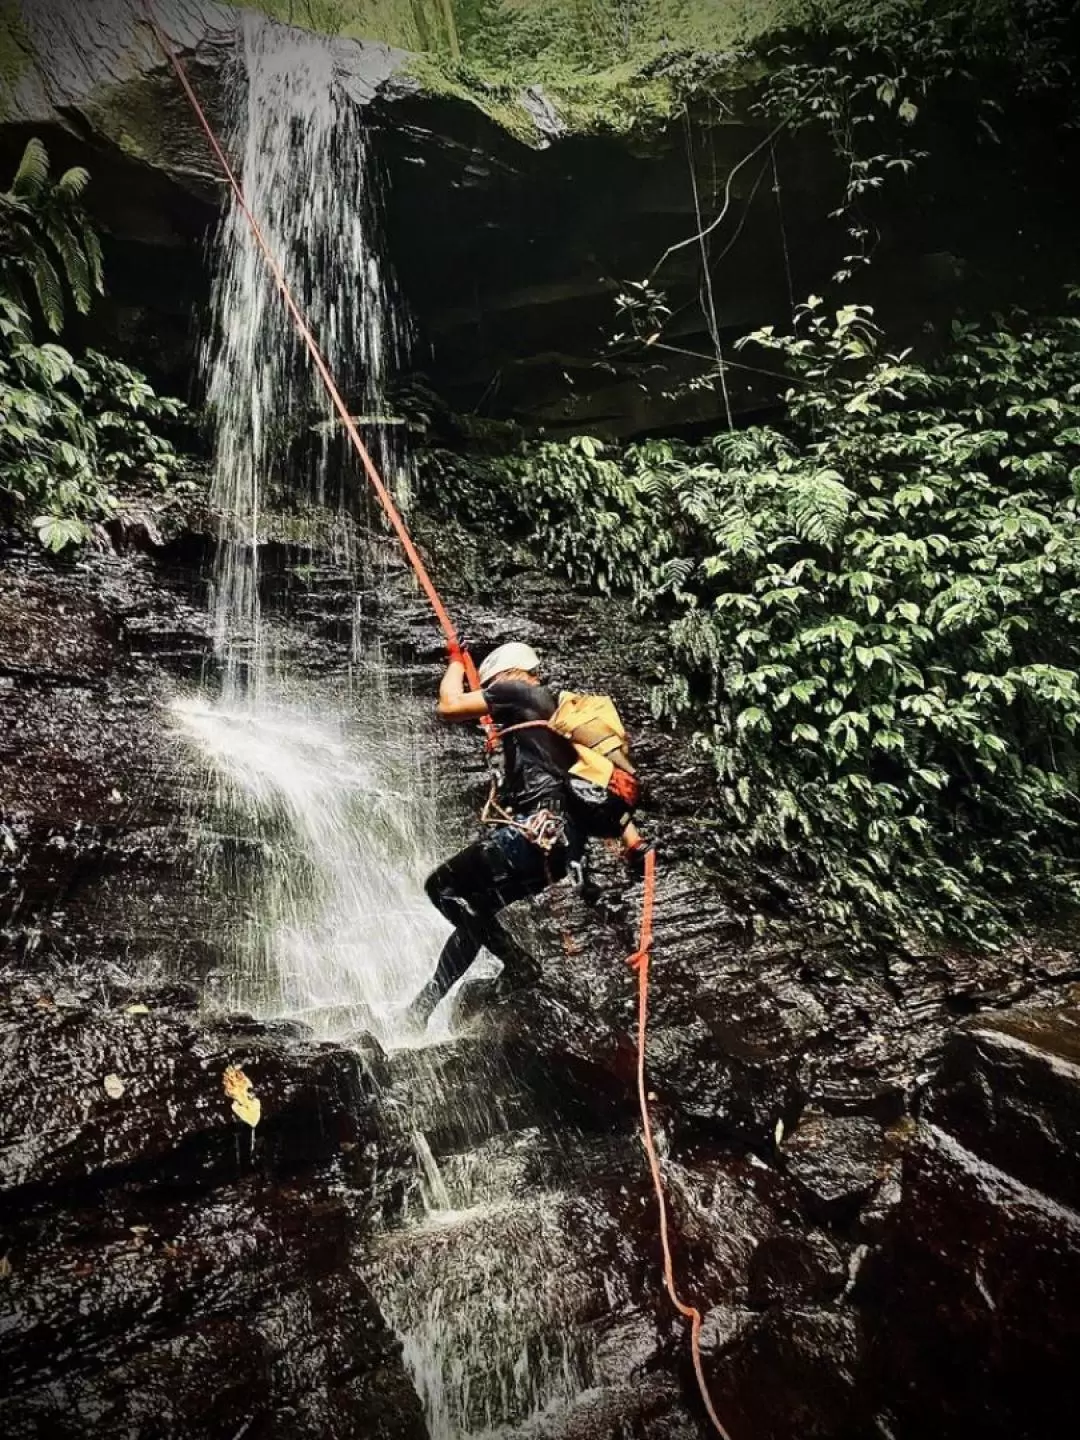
column 317, row 781
column 338, row 930
column 305, row 165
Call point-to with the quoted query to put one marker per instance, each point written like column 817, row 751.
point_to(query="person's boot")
column 419, row 1010
column 480, row 995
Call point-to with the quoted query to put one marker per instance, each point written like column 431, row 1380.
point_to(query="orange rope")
column 640, row 962
column 640, row 959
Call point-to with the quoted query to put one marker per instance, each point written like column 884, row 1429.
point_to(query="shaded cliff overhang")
column 510, row 243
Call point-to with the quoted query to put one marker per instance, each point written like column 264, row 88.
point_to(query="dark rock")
column 1009, row 1090
column 835, row 1159
column 971, row 1301
column 51, row 637
column 91, row 1090
column 242, row 1312
column 791, row 1373
column 795, row 1268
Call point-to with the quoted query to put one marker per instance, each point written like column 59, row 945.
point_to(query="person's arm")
column 455, row 702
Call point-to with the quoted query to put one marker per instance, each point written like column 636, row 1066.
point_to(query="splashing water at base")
column 340, row 933
column 487, row 1315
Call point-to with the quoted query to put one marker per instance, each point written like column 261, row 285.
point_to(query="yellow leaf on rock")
column 245, row 1106
column 137, row 1010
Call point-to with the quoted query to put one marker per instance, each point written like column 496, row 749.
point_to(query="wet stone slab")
column 91, row 1089
column 1009, row 1089
column 971, row 1302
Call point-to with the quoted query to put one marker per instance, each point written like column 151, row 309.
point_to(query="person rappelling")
column 566, row 777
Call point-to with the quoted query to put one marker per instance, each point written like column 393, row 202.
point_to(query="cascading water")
column 326, row 784
column 307, row 177
column 340, row 932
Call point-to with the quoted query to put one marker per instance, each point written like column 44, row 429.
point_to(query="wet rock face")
column 91, row 781
column 167, row 1270
column 971, row 1291
column 92, row 1091
column 836, row 1161
column 1009, row 1089
column 973, row 1300
column 170, row 1270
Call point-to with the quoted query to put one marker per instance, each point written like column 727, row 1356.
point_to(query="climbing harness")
column 543, row 828
column 640, row 960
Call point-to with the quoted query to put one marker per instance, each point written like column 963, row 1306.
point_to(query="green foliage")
column 73, row 435
column 46, row 241
column 412, row 24
column 873, row 616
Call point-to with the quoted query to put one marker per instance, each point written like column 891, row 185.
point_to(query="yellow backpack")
column 594, row 728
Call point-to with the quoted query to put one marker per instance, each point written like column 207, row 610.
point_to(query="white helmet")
column 514, row 656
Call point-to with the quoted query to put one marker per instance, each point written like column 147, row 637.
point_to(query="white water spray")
column 339, row 931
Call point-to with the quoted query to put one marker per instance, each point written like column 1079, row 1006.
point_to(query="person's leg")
column 469, row 890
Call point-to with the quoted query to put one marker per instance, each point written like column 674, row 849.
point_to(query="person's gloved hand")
column 635, row 859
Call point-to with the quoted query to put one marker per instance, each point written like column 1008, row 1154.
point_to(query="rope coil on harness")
column 640, row 960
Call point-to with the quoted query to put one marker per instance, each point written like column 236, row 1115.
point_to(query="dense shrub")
column 73, row 434
column 874, row 612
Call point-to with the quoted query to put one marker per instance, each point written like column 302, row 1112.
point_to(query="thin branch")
column 702, row 233
column 731, row 364
column 709, row 313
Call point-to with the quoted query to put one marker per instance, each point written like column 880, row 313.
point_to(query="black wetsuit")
column 505, row 865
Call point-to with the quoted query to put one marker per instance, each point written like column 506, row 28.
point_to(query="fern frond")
column 73, row 262
column 50, row 291
column 736, row 532
column 95, row 261
column 72, row 183
column 818, row 506
column 32, row 175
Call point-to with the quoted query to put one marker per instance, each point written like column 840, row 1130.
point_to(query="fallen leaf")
column 114, row 1086
column 244, row 1104
column 137, row 1010
column 779, row 1131
column 5, row 1267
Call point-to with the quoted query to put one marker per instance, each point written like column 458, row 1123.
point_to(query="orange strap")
column 640, row 961
column 494, row 736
